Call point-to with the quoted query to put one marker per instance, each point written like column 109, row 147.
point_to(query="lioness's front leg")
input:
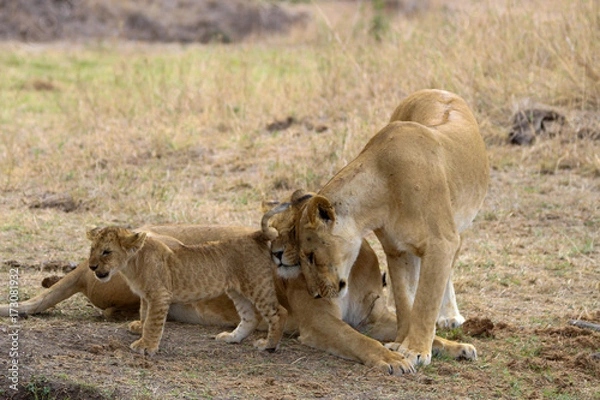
column 322, row 327
column 153, row 326
column 406, row 285
column 436, row 265
column 383, row 328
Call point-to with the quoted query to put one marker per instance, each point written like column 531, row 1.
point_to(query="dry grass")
column 140, row 134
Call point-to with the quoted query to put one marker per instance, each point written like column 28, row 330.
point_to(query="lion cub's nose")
column 101, row 274
column 93, row 267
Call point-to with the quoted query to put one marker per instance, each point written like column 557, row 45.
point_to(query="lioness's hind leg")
column 454, row 349
column 248, row 320
column 449, row 316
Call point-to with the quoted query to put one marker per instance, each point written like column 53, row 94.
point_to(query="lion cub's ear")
column 320, row 211
column 267, row 205
column 299, row 197
column 92, row 234
column 133, row 242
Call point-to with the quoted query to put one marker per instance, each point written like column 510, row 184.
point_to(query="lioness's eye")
column 106, row 252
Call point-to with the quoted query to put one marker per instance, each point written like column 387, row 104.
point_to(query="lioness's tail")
column 270, row 232
column 69, row 285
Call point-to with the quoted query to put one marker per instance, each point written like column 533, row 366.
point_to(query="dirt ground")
column 518, row 318
column 91, row 353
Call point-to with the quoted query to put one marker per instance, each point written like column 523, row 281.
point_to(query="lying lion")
column 239, row 266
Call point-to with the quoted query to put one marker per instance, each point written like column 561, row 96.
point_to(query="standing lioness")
column 418, row 183
column 241, row 267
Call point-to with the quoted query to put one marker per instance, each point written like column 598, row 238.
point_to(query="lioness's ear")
column 92, row 234
column 132, row 242
column 320, row 210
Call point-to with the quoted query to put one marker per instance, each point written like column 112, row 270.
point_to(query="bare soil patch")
column 95, row 362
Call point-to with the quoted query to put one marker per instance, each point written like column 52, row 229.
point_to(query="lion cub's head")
column 111, row 249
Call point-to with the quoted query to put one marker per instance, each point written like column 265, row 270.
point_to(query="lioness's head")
column 111, row 248
column 307, row 242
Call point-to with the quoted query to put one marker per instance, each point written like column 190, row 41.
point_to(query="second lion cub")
column 161, row 275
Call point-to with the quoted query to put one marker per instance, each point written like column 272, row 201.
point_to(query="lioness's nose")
column 93, row 267
column 342, row 285
column 278, row 254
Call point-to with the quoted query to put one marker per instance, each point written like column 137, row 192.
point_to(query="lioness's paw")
column 415, row 357
column 228, row 337
column 462, row 351
column 394, row 363
column 135, row 327
column 143, row 347
column 450, row 322
column 263, row 344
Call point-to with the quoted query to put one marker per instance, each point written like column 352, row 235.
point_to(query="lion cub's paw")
column 415, row 357
column 142, row 347
column 135, row 327
column 450, row 322
column 263, row 344
column 228, row 337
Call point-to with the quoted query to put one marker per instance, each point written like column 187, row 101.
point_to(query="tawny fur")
column 162, row 275
column 418, row 183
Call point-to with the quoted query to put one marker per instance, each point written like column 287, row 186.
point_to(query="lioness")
column 240, row 267
column 418, row 183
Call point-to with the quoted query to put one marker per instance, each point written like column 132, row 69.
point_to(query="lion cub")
column 240, row 267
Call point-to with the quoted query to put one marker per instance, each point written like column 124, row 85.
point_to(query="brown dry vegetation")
column 134, row 134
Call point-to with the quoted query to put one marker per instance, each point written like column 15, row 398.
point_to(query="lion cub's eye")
column 311, row 258
column 106, row 252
